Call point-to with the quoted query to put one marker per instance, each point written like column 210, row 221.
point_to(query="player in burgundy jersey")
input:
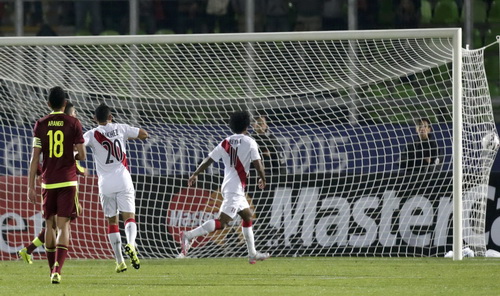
column 237, row 152
column 55, row 137
column 25, row 253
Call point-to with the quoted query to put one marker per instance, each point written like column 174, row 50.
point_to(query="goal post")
column 341, row 109
column 457, row 146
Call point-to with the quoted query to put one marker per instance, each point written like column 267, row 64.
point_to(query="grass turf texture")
column 276, row 276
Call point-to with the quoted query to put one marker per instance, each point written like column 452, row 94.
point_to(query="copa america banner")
column 178, row 149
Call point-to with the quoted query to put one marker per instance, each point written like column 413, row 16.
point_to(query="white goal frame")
column 455, row 34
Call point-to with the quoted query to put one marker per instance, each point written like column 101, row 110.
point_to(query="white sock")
column 203, row 229
column 248, row 234
column 116, row 243
column 131, row 232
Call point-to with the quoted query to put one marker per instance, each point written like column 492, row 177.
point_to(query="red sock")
column 61, row 252
column 51, row 257
column 246, row 224
column 113, row 228
column 217, row 224
column 130, row 220
column 41, row 235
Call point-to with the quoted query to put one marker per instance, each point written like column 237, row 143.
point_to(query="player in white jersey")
column 116, row 190
column 237, row 152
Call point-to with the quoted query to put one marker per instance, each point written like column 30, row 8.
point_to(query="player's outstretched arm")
column 260, row 170
column 203, row 166
column 143, row 135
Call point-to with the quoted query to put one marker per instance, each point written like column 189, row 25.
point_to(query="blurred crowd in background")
column 480, row 19
column 87, row 17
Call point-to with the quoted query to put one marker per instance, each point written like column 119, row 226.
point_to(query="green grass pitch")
column 276, row 276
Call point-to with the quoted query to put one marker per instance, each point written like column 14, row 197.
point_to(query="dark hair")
column 239, row 121
column 422, row 120
column 56, row 97
column 102, row 113
column 68, row 107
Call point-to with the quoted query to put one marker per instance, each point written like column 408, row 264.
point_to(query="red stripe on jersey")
column 235, row 161
column 115, row 149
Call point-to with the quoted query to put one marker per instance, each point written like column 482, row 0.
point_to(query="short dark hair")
column 56, row 97
column 102, row 112
column 68, row 107
column 422, row 120
column 239, row 121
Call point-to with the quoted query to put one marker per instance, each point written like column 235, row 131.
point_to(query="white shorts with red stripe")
column 233, row 203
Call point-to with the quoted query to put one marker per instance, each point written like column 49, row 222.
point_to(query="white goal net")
column 348, row 174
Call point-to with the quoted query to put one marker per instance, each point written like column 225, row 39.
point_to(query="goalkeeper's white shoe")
column 185, row 243
column 258, row 257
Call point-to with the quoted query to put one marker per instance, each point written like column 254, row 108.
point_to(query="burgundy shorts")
column 60, row 201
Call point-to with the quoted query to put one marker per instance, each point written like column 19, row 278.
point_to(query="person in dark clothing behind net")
column 272, row 153
column 423, row 152
column 273, row 159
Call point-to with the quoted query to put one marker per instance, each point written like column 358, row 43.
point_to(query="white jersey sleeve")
column 86, row 138
column 254, row 150
column 217, row 153
column 130, row 131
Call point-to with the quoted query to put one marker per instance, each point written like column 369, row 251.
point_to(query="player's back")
column 237, row 152
column 57, row 133
column 242, row 145
column 108, row 143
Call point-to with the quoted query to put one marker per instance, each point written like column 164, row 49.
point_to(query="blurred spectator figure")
column 33, row 15
column 240, row 9
column 115, row 16
column 53, row 12
column 165, row 14
column 220, row 15
column 367, row 14
column 46, row 30
column 88, row 17
column 333, row 15
column 407, row 13
column 147, row 17
column 309, row 15
column 190, row 16
column 277, row 16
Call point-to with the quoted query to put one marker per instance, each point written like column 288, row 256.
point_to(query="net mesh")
column 340, row 113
